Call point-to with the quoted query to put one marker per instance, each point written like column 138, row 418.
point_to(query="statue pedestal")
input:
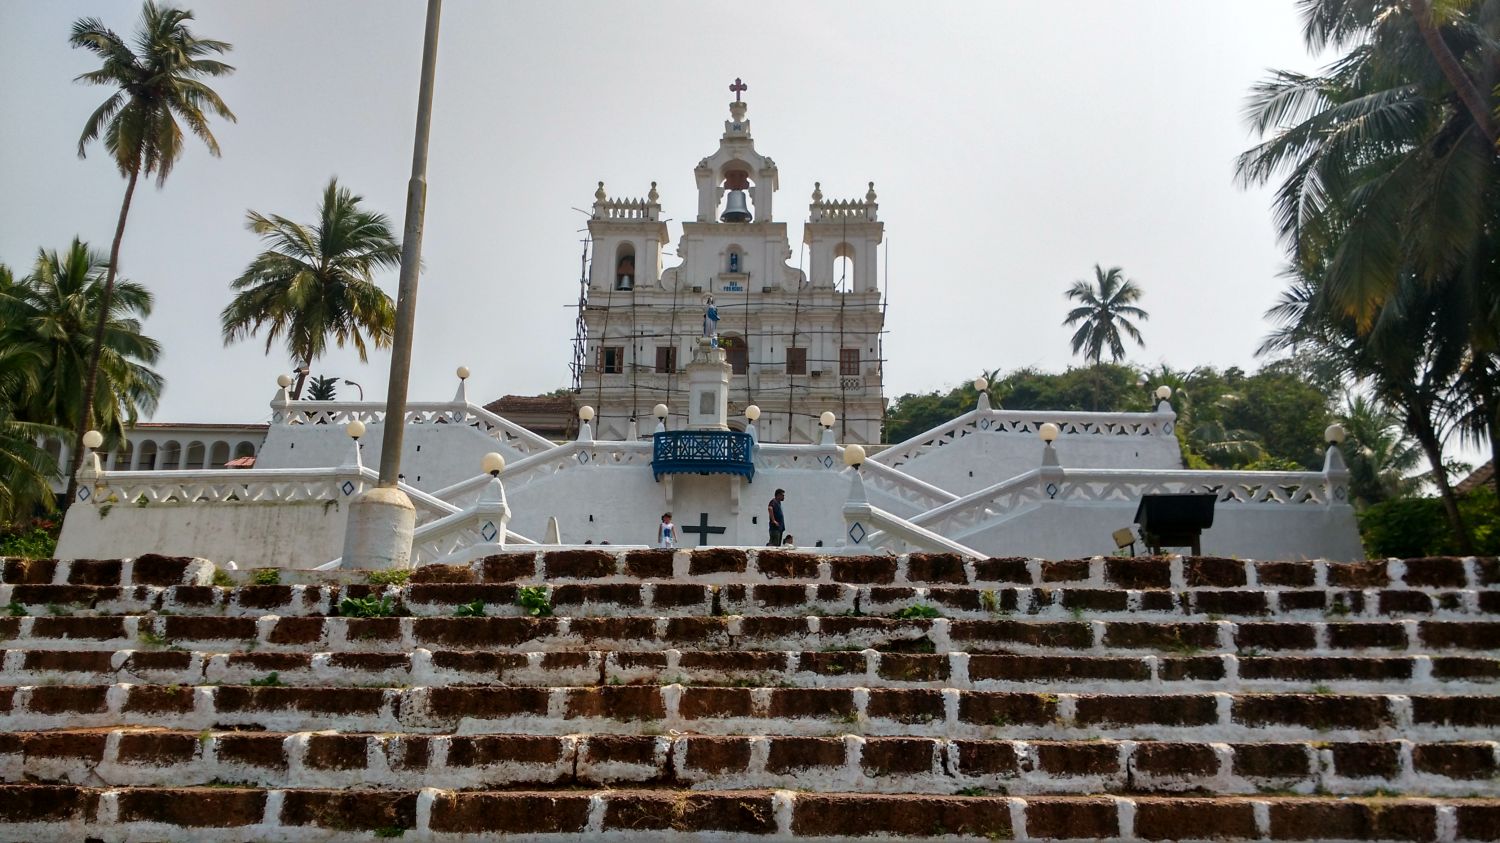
column 708, row 388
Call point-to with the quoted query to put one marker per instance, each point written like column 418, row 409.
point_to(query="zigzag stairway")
column 724, row 694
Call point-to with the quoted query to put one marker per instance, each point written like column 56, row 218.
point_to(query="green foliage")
column 266, row 576
column 535, row 600
column 32, row 540
column 270, row 680
column 1413, row 527
column 470, row 610
column 394, row 576
column 918, row 611
column 223, row 579
column 367, row 607
column 389, row 832
column 16, row 609
column 320, row 388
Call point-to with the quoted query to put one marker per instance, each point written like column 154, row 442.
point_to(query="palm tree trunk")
column 90, row 382
column 302, row 374
column 1427, row 437
column 1468, row 93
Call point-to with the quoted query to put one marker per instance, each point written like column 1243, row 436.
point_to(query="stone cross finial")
column 738, row 87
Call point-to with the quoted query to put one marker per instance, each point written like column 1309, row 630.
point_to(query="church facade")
column 800, row 341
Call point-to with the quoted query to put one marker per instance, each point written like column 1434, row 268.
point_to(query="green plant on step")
column 470, row 610
column 395, row 576
column 389, row 832
column 16, row 610
column 989, row 601
column 534, row 599
column 917, row 611
column 367, row 607
column 222, row 579
column 266, row 576
column 271, row 680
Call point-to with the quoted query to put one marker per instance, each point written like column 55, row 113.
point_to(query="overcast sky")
column 1013, row 146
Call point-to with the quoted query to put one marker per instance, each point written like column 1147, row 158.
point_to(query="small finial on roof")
column 817, row 191
column 653, row 195
column 599, row 195
column 870, row 197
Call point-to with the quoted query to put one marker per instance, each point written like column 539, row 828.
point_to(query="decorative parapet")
column 1236, row 488
column 631, row 210
column 500, row 429
column 842, row 210
column 1029, row 422
column 703, row 452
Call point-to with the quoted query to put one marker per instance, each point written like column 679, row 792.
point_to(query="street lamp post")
column 378, row 533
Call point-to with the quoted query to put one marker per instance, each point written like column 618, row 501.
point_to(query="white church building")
column 799, row 341
column 704, row 418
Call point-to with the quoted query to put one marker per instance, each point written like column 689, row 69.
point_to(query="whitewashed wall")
column 284, row 534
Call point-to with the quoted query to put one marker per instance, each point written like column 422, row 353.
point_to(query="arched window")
column 843, row 267
column 625, row 267
column 738, row 204
column 219, row 455
column 147, row 460
column 736, row 353
column 171, row 456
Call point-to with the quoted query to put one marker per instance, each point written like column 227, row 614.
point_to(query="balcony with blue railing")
column 703, row 452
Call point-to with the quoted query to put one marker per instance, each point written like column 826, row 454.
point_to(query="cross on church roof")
column 738, row 87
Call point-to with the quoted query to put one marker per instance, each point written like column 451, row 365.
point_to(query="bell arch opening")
column 625, row 267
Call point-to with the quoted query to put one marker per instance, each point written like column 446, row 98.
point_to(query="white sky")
column 1013, row 145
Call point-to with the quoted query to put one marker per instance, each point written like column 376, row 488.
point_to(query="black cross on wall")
column 703, row 529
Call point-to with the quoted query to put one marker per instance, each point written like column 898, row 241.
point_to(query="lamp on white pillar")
column 281, row 411
column 491, row 510
column 585, row 430
column 1335, row 472
column 857, row 512
column 632, row 431
column 660, row 411
column 92, row 440
column 752, row 414
column 356, row 429
column 462, row 395
column 1163, row 393
column 1048, row 433
column 982, row 386
column 854, row 456
column 827, row 420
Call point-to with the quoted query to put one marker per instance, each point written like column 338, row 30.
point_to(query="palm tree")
column 315, row 282
column 1383, row 461
column 156, row 85
column 49, row 315
column 1105, row 310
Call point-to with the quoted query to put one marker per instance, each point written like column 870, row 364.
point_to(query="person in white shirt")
column 668, row 532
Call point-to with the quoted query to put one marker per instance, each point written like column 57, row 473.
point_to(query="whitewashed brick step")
column 128, row 757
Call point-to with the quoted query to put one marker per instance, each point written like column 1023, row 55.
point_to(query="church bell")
column 736, row 209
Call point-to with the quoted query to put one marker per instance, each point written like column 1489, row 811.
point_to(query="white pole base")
column 378, row 532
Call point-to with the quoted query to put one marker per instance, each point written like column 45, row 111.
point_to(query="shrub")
column 1413, row 527
column 534, row 599
column 33, row 539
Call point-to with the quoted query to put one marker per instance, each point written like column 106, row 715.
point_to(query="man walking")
column 775, row 519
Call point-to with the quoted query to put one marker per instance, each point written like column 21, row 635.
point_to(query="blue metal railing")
column 703, row 452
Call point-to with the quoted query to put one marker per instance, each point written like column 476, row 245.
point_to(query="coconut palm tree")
column 1383, row 461
column 50, row 314
column 157, row 84
column 1105, row 309
column 316, row 282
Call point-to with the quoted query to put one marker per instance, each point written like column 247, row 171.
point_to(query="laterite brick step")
column 734, row 632
column 138, row 757
column 865, row 668
column 725, row 565
column 68, row 812
column 949, row 712
column 591, row 599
